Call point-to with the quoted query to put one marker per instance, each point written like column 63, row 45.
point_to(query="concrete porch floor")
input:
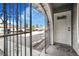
column 52, row 50
column 59, row 50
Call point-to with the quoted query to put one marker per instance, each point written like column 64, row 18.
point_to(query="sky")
column 37, row 17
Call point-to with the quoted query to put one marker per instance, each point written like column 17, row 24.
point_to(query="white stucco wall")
column 75, row 28
column 78, row 20
column 78, row 25
column 50, row 18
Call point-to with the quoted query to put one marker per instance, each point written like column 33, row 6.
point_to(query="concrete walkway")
column 35, row 34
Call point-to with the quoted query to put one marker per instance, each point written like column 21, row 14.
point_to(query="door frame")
column 71, row 27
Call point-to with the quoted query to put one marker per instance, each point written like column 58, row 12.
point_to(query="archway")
column 41, row 9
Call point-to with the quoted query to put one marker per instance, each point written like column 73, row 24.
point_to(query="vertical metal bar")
column 25, row 25
column 45, row 35
column 20, row 32
column 6, row 28
column 30, row 29
column 49, row 33
column 5, row 32
column 13, row 29
column 17, row 27
column 10, row 27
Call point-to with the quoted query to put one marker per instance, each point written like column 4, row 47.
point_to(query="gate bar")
column 9, row 27
column 20, row 32
column 5, row 26
column 30, row 29
column 13, row 27
column 17, row 27
column 25, row 25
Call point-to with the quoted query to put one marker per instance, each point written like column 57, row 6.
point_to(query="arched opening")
column 39, row 17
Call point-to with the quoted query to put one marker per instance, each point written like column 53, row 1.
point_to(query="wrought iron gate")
column 15, row 28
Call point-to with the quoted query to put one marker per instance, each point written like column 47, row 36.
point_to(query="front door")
column 62, row 27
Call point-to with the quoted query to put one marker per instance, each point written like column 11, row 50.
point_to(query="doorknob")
column 68, row 28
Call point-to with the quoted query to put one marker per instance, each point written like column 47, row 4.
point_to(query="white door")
column 62, row 27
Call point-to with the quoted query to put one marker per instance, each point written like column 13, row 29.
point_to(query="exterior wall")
column 75, row 28
column 78, row 25
column 50, row 19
